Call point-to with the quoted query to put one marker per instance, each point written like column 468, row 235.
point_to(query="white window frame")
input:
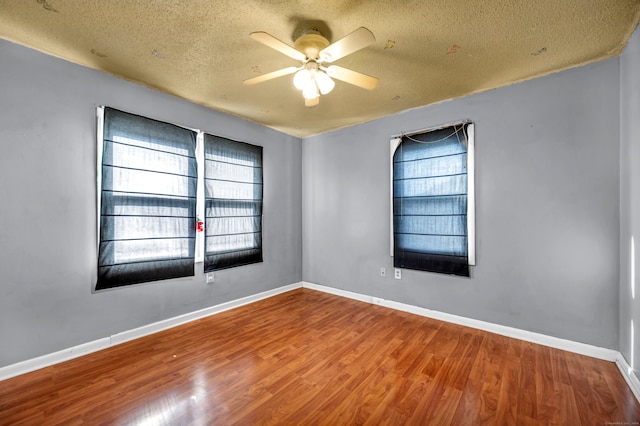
column 200, row 204
column 199, row 254
column 200, row 196
column 394, row 143
column 100, row 144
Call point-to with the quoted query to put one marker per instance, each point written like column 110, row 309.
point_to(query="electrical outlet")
column 398, row 274
column 210, row 277
column 383, row 272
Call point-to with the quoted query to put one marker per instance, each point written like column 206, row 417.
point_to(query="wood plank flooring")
column 307, row 358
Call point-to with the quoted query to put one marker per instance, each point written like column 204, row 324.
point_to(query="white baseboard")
column 542, row 339
column 103, row 343
column 155, row 327
column 554, row 342
column 52, row 358
column 629, row 375
column 106, row 342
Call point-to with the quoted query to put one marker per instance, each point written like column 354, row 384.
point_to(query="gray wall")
column 630, row 201
column 547, row 210
column 48, row 209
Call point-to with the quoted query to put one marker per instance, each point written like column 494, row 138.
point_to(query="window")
column 233, row 203
column 433, row 203
column 155, row 179
column 147, row 200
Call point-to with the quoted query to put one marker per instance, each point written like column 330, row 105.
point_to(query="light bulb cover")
column 325, row 83
column 302, row 79
column 310, row 91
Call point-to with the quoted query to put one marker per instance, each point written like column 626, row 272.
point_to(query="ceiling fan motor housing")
column 311, row 43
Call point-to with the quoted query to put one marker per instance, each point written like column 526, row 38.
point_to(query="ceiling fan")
column 314, row 51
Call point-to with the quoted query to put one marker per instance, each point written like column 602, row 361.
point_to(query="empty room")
column 339, row 212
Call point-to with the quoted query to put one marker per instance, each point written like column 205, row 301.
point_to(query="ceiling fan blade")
column 271, row 75
column 352, row 77
column 269, row 40
column 350, row 43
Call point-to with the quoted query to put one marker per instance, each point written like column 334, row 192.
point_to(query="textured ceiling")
column 425, row 51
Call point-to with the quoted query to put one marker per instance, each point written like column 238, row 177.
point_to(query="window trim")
column 221, row 139
column 200, row 236
column 394, row 143
column 471, row 193
column 200, row 201
column 100, row 152
column 199, row 255
column 155, row 261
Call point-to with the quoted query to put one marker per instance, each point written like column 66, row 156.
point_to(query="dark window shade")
column 430, row 202
column 148, row 201
column 233, row 203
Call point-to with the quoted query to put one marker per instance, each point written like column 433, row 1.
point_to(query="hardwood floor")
column 305, row 358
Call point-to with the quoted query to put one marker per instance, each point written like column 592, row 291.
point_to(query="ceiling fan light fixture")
column 311, row 91
column 325, row 83
column 302, row 79
column 311, row 102
column 313, row 81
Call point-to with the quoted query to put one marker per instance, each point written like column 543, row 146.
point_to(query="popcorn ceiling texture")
column 425, row 51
